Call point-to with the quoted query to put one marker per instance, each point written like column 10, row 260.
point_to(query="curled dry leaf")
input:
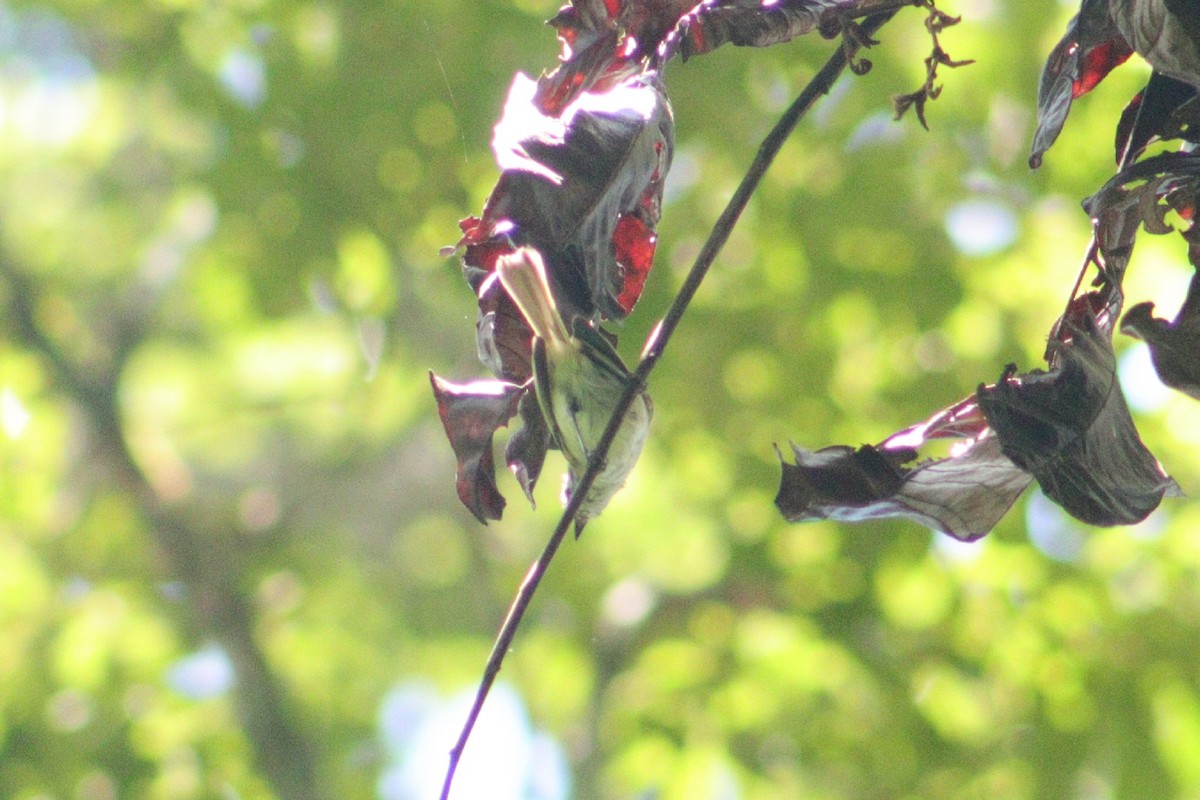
column 1069, row 426
column 1090, row 49
column 1142, row 195
column 751, row 23
column 935, row 23
column 963, row 495
column 471, row 413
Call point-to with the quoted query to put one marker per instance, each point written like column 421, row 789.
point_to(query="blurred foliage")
column 228, row 528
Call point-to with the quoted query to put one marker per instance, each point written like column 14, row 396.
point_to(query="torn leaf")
column 1142, row 195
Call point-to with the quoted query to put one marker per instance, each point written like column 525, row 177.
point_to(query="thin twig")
column 1093, row 250
column 655, row 345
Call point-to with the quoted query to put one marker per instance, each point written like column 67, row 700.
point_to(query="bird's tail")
column 524, row 277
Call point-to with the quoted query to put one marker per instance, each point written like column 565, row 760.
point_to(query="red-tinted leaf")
column 1175, row 345
column 592, row 54
column 634, row 242
column 604, row 43
column 1091, row 47
column 963, row 495
column 1097, row 63
column 471, row 413
column 566, row 184
column 482, row 243
column 1071, row 429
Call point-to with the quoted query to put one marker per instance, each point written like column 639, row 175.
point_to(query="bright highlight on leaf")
column 963, row 495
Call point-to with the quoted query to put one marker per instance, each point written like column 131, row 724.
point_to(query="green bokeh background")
column 219, row 236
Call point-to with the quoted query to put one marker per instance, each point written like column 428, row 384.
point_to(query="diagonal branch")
column 820, row 84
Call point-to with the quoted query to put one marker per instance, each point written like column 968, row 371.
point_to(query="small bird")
column 1174, row 346
column 579, row 379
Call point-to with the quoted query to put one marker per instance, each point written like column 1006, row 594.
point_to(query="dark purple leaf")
column 1164, row 33
column 604, row 43
column 1186, row 14
column 1165, row 109
column 1090, row 49
column 501, row 334
column 839, row 477
column 1071, row 429
column 749, row 23
column 583, row 188
column 471, row 413
column 526, row 451
column 963, row 495
column 1175, row 345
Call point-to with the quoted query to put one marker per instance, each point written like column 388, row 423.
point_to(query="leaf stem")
column 1093, row 251
column 820, row 84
